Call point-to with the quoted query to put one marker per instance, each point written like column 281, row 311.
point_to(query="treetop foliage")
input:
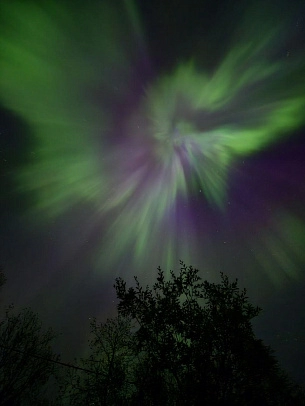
column 25, row 356
column 183, row 341
column 198, row 339
column 186, row 305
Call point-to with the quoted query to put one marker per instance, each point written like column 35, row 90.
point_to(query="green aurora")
column 67, row 71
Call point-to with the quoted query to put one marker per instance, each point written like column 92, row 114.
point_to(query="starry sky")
column 134, row 134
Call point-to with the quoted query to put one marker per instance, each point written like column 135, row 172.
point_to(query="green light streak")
column 45, row 78
column 66, row 71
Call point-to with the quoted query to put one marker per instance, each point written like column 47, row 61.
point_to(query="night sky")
column 135, row 134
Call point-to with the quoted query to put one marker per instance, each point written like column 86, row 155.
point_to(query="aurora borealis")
column 149, row 162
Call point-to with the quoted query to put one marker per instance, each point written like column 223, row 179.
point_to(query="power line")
column 48, row 360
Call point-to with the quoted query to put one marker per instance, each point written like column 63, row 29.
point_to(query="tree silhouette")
column 108, row 370
column 183, row 341
column 199, row 344
column 26, row 357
